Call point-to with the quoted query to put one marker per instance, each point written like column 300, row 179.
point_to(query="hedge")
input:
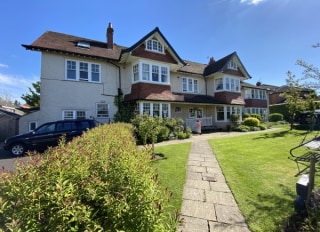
column 98, row 182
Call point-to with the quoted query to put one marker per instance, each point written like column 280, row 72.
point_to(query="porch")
column 191, row 122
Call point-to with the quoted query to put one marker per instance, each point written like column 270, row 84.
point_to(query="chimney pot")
column 211, row 61
column 110, row 36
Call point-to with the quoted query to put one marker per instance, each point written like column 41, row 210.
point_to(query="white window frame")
column 190, row 85
column 227, row 83
column 195, row 113
column 154, row 45
column 32, row 128
column 74, row 114
column 255, row 94
column 93, row 71
column 99, row 111
column 227, row 111
column 151, row 72
column 232, row 65
column 162, row 109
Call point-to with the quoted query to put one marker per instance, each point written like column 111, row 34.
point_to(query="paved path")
column 208, row 204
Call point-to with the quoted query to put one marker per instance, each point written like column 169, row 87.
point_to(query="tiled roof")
column 217, row 65
column 58, row 42
column 193, row 67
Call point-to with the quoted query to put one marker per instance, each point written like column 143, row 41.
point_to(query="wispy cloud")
column 3, row 66
column 252, row 2
column 14, row 86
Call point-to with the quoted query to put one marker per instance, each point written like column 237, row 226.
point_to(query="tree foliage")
column 33, row 98
column 295, row 101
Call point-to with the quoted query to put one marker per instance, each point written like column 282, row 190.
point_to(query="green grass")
column 172, row 173
column 261, row 176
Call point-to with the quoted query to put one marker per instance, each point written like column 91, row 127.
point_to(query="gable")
column 142, row 49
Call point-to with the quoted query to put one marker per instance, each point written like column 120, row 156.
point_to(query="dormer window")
column 232, row 65
column 154, row 45
column 83, row 44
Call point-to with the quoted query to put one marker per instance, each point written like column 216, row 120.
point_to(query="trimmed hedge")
column 275, row 117
column 251, row 122
column 98, row 182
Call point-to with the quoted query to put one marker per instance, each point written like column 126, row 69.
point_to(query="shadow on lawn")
column 273, row 205
column 281, row 134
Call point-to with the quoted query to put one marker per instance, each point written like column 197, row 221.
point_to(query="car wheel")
column 18, row 149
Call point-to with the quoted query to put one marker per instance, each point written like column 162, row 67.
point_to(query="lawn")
column 257, row 169
column 172, row 174
column 261, row 176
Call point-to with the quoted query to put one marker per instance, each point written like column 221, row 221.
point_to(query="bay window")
column 155, row 109
column 227, row 84
column 151, row 72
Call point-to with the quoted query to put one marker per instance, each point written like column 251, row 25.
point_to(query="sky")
column 269, row 36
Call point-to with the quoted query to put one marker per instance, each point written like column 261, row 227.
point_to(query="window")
column 102, row 110
column 153, row 109
column 189, row 85
column 82, row 71
column 95, row 72
column 32, row 126
column 255, row 94
column 71, row 70
column 135, row 70
column 154, row 45
column 156, row 109
column 220, row 113
column 219, row 84
column 151, row 72
column 155, row 73
column 232, row 65
column 145, row 72
column 223, row 113
column 146, row 108
column 227, row 84
column 164, row 74
column 73, row 114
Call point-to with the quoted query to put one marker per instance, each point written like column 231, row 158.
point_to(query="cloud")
column 3, row 66
column 252, row 2
column 14, row 86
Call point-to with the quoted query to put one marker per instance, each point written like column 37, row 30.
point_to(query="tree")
column 33, row 98
column 294, row 100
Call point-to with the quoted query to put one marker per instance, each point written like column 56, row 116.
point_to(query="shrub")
column 263, row 127
column 275, row 117
column 235, row 120
column 245, row 115
column 251, row 122
column 258, row 116
column 98, row 182
column 242, row 128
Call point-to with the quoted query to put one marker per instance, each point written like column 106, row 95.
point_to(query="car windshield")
column 47, row 128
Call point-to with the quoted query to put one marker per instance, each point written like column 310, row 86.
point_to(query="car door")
column 43, row 136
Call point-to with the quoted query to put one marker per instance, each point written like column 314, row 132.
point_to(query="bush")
column 242, row 128
column 235, row 120
column 98, row 182
column 258, row 116
column 245, row 115
column 263, row 127
column 275, row 117
column 251, row 122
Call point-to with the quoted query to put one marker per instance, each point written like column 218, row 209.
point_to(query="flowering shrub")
column 98, row 182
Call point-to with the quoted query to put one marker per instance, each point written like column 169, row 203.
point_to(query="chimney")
column 211, row 61
column 110, row 36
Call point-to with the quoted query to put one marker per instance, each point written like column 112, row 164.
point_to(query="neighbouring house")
column 80, row 78
column 9, row 121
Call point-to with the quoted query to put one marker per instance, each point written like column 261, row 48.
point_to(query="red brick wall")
column 142, row 52
column 257, row 103
column 230, row 98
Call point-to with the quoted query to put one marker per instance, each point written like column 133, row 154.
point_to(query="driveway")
column 7, row 161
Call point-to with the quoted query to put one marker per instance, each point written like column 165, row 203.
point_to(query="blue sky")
column 268, row 35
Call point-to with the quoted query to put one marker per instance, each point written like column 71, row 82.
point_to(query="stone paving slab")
column 208, row 204
column 199, row 209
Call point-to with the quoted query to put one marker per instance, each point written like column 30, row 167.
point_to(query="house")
column 80, row 78
column 9, row 122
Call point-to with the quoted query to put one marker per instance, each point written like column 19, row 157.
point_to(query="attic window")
column 83, row 44
column 232, row 65
column 154, row 45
